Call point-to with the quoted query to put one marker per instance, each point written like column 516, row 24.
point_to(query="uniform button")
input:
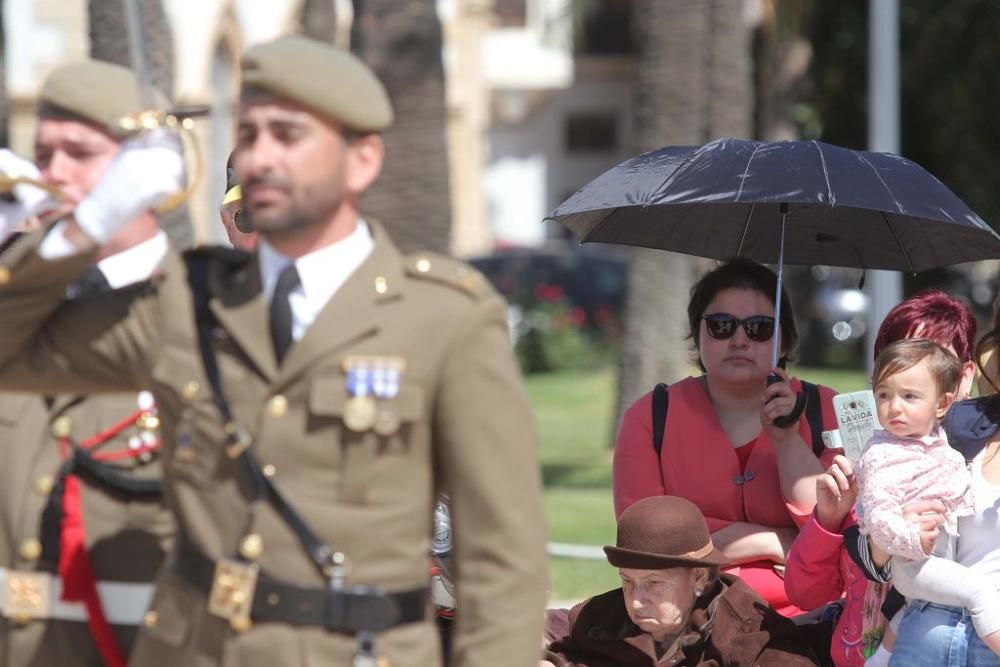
column 150, row 619
column 62, row 426
column 381, row 285
column 30, row 549
column 148, row 422
column 190, row 390
column 4, row 275
column 44, row 484
column 269, row 470
column 184, row 454
column 423, row 265
column 277, row 407
column 251, row 546
column 240, row 623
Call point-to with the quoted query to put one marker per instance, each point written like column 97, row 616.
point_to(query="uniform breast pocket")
column 376, row 440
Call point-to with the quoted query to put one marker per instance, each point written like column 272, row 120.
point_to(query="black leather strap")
column 661, row 401
column 814, row 416
column 350, row 609
column 262, row 487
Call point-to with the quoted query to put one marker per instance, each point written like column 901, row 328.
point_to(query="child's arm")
column 881, row 480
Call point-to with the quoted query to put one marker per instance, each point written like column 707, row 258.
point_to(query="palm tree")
column 401, row 40
column 4, row 109
column 109, row 41
column 691, row 84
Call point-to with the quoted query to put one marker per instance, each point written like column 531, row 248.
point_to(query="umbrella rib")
column 898, row 242
column 899, row 209
column 746, row 228
column 826, row 173
column 746, row 172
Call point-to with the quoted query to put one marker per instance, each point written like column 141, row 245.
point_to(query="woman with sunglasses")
column 753, row 480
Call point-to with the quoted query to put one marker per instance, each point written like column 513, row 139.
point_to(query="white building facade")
column 529, row 119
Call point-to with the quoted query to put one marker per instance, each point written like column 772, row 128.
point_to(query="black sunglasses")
column 721, row 326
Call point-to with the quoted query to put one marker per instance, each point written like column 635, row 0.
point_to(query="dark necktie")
column 281, row 311
column 90, row 283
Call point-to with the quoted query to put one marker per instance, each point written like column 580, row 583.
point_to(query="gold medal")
column 386, row 422
column 360, row 413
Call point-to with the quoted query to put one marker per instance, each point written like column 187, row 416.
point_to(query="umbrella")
column 740, row 198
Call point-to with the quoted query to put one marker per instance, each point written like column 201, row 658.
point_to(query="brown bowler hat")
column 663, row 531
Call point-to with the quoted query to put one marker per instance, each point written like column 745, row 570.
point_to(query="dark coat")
column 730, row 626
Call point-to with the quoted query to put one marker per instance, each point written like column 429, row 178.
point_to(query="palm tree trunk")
column 109, row 42
column 691, row 84
column 402, row 41
column 4, row 103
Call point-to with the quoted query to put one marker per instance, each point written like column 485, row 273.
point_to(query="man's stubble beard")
column 297, row 220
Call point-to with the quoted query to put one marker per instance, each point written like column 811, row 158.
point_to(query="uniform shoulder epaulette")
column 447, row 271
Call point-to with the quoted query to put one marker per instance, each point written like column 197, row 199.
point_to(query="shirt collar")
column 134, row 264
column 340, row 258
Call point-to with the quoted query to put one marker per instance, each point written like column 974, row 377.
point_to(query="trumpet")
column 8, row 183
column 180, row 120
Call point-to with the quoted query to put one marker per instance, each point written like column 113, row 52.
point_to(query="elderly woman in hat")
column 674, row 607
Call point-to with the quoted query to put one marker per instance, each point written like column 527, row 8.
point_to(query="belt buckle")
column 27, row 596
column 233, row 588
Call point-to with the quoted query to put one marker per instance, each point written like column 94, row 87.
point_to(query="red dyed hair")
column 934, row 315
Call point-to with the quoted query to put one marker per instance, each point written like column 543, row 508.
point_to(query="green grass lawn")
column 574, row 412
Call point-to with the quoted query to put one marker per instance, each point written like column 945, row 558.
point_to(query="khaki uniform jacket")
column 466, row 429
column 127, row 540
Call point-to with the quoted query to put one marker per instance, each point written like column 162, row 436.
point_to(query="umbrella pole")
column 792, row 417
column 776, row 345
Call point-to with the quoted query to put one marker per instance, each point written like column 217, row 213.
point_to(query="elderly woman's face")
column 738, row 358
column 660, row 601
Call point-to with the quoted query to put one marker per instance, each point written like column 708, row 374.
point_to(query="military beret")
column 328, row 81
column 95, row 92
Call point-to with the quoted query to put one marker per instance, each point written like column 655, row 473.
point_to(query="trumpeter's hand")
column 148, row 169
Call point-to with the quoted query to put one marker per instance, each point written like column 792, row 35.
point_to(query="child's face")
column 909, row 403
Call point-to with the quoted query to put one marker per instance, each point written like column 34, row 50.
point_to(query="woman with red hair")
column 820, row 568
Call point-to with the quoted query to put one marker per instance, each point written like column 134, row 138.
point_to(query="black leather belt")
column 350, row 609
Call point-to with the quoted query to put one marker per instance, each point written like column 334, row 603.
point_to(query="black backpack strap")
column 814, row 416
column 661, row 398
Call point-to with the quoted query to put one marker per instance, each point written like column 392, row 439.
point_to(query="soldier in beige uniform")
column 314, row 397
column 83, row 526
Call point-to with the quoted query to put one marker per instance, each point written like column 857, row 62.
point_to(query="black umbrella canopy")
column 723, row 199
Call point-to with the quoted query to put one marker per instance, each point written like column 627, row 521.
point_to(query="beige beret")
column 93, row 91
column 327, row 80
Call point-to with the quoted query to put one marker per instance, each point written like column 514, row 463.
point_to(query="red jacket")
column 819, row 570
column 698, row 463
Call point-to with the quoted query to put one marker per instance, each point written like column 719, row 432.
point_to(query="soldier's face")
column 295, row 169
column 73, row 155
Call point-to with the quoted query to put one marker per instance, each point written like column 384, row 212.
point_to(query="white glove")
column 27, row 199
column 149, row 168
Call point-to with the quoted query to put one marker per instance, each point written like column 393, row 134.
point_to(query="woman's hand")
column 779, row 400
column 836, row 493
column 929, row 517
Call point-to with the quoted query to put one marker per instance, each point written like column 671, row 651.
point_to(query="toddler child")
column 914, row 384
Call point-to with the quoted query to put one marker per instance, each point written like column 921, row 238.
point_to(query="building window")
column 604, row 28
column 512, row 13
column 591, row 132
